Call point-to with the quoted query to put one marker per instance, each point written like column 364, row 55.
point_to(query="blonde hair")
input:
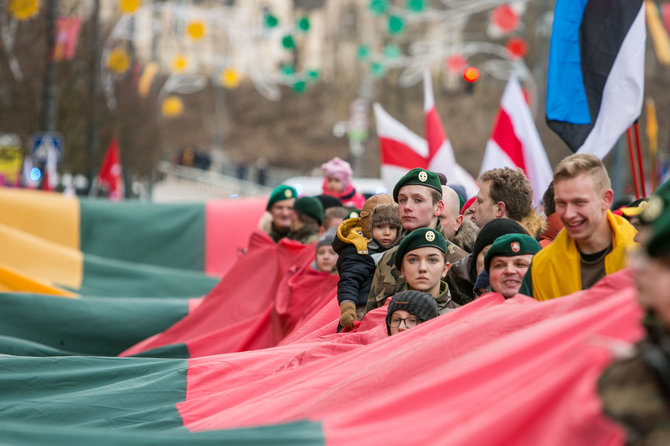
column 579, row 163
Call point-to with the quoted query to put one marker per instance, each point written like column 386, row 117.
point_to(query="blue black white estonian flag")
column 595, row 76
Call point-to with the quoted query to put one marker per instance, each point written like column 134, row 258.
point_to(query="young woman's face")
column 423, row 268
column 401, row 321
column 334, row 184
column 326, row 258
column 385, row 234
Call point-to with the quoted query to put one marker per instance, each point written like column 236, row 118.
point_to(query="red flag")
column 514, row 142
column 67, row 34
column 110, row 171
column 440, row 153
column 400, row 148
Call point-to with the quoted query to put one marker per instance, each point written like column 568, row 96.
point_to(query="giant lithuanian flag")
column 257, row 360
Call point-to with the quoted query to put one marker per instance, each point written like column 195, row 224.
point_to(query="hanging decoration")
column 313, row 75
column 416, row 5
column 24, row 9
column 179, row 63
column 195, row 29
column 363, row 52
column 172, row 107
column 456, row 63
column 378, row 7
column 377, row 69
column 517, row 48
column 303, row 24
column 271, row 21
column 396, row 24
column 392, row 51
column 288, row 42
column 504, row 20
column 118, row 61
column 287, row 69
column 230, row 78
column 129, row 6
column 299, row 86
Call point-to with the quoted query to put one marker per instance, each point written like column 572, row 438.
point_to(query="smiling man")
column 593, row 241
column 507, row 261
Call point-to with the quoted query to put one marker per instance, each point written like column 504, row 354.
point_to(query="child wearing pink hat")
column 337, row 183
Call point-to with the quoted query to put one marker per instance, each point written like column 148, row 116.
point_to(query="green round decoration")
column 299, row 87
column 363, row 52
column 416, row 5
column 312, row 74
column 396, row 24
column 303, row 24
column 288, row 42
column 377, row 69
column 378, row 7
column 287, row 69
column 392, row 51
column 271, row 21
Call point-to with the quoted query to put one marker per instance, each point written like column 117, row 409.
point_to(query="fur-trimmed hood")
column 533, row 224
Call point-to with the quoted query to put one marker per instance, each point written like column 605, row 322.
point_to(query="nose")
column 423, row 265
column 569, row 211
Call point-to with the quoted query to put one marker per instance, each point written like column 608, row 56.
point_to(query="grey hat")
column 417, row 303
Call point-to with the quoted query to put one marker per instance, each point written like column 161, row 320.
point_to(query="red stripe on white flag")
column 515, row 142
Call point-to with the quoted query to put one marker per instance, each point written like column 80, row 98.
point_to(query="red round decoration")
column 505, row 18
column 517, row 48
column 471, row 74
column 456, row 63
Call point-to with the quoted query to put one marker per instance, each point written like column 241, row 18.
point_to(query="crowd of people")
column 425, row 250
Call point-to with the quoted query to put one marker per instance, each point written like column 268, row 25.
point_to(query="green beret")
column 309, row 206
column 419, row 238
column 281, row 192
column 354, row 213
column 510, row 245
column 657, row 215
column 418, row 176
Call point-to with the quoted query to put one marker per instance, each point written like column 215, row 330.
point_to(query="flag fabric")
column 514, row 141
column 595, row 77
column 110, row 171
column 440, row 153
column 400, row 149
column 67, row 35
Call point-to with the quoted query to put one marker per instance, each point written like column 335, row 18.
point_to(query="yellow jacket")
column 555, row 271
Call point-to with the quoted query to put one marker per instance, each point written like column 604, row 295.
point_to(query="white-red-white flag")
column 440, row 153
column 515, row 142
column 110, row 171
column 400, row 148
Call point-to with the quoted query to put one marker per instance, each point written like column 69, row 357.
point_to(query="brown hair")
column 580, row 163
column 435, row 195
column 548, row 200
column 512, row 188
column 331, row 213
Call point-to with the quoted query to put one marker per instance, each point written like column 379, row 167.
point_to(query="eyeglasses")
column 409, row 322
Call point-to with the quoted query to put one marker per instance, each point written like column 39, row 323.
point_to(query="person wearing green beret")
column 635, row 389
column 421, row 258
column 507, row 261
column 419, row 197
column 306, row 220
column 277, row 220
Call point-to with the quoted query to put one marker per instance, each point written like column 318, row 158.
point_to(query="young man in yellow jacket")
column 593, row 241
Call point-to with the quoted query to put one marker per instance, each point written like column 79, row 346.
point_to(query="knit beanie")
column 417, row 303
column 494, row 229
column 339, row 169
column 383, row 214
column 420, row 177
column 368, row 207
column 419, row 238
column 511, row 245
column 326, row 238
column 309, row 206
column 281, row 192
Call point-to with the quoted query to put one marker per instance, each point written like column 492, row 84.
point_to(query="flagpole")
column 632, row 163
column 639, row 159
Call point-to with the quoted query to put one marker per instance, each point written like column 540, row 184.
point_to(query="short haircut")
column 579, row 163
column 333, row 212
column 310, row 223
column 548, row 200
column 435, row 196
column 512, row 188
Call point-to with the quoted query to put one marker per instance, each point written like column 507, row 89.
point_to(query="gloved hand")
column 347, row 314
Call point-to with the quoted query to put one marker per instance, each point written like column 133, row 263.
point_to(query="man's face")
column 416, row 208
column 580, row 207
column 484, row 209
column 652, row 277
column 423, row 268
column 506, row 273
column 281, row 213
column 450, row 219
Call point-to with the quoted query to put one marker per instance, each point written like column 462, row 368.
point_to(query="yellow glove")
column 347, row 314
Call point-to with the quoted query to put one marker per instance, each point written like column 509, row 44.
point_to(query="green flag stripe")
column 176, row 238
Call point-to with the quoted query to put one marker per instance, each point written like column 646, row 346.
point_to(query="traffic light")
column 470, row 75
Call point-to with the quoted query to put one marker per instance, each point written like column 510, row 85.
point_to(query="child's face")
column 385, row 234
column 423, row 268
column 326, row 258
column 334, row 184
column 401, row 321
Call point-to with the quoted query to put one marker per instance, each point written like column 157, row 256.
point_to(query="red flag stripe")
column 504, row 136
column 396, row 153
column 434, row 132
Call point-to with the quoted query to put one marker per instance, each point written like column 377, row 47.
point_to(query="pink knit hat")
column 339, row 169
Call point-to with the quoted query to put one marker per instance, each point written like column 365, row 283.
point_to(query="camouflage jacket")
column 304, row 236
column 277, row 235
column 387, row 280
column 636, row 392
